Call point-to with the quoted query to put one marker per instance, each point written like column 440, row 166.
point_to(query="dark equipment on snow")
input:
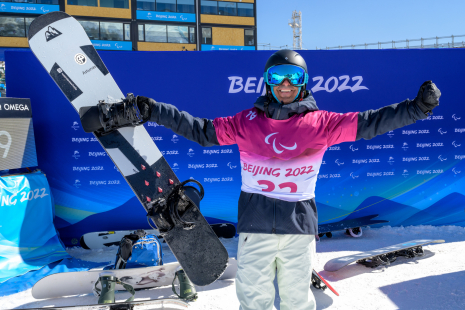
column 320, row 283
column 317, row 283
column 107, row 293
column 387, row 259
column 139, row 250
column 186, row 287
column 383, row 256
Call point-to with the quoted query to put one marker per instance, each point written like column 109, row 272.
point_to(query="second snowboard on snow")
column 380, row 256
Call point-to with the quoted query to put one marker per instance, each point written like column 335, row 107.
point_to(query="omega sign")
column 17, row 146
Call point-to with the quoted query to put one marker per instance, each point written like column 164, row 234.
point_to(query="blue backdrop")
column 28, row 239
column 413, row 175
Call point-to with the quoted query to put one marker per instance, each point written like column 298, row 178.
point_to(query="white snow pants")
column 260, row 256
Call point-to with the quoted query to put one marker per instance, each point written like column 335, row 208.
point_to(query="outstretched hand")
column 428, row 97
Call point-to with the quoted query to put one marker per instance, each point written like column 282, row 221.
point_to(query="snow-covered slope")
column 435, row 281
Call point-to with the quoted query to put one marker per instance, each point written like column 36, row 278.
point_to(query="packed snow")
column 434, row 281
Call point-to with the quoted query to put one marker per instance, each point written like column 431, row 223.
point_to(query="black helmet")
column 285, row 57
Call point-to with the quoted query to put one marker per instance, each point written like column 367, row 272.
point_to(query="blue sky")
column 344, row 22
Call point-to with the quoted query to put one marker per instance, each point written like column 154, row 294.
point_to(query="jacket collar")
column 279, row 111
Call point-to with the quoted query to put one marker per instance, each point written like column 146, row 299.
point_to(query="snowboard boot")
column 107, row 117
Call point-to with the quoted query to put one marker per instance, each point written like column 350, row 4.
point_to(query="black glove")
column 428, row 97
column 145, row 106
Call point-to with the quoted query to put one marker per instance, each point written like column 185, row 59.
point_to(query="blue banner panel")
column 164, row 16
column 3, row 49
column 206, row 47
column 412, row 175
column 29, row 8
column 28, row 239
column 112, row 45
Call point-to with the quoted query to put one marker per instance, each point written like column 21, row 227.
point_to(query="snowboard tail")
column 62, row 46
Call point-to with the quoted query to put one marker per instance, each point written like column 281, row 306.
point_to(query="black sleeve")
column 372, row 123
column 200, row 130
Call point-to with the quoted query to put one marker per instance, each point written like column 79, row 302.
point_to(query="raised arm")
column 372, row 123
column 200, row 130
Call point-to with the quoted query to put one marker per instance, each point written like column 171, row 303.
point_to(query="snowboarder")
column 281, row 142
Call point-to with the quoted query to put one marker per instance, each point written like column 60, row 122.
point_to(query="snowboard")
column 82, row 282
column 383, row 256
column 63, row 48
column 165, row 303
column 353, row 227
column 102, row 239
column 320, row 283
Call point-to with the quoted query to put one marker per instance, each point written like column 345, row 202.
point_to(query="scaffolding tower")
column 296, row 25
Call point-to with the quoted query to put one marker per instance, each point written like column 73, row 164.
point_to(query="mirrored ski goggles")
column 275, row 75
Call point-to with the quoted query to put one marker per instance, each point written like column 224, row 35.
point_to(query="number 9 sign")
column 7, row 145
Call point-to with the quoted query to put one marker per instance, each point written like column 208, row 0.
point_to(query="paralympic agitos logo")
column 278, row 151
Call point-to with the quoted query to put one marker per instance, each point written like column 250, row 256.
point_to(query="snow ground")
column 434, row 281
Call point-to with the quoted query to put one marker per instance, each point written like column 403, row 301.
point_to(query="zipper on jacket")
column 279, row 111
column 273, row 231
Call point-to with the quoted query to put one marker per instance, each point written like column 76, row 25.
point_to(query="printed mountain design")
column 128, row 216
column 447, row 211
column 327, row 212
column 60, row 223
column 71, row 215
column 391, row 211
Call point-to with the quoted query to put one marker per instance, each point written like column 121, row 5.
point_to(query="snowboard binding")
column 387, row 259
column 107, row 117
column 317, row 283
column 167, row 212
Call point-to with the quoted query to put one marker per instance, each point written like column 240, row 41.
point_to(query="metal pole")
column 197, row 25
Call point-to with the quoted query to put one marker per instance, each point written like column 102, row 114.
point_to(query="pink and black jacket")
column 281, row 149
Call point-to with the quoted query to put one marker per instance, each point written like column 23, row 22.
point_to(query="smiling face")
column 285, row 92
